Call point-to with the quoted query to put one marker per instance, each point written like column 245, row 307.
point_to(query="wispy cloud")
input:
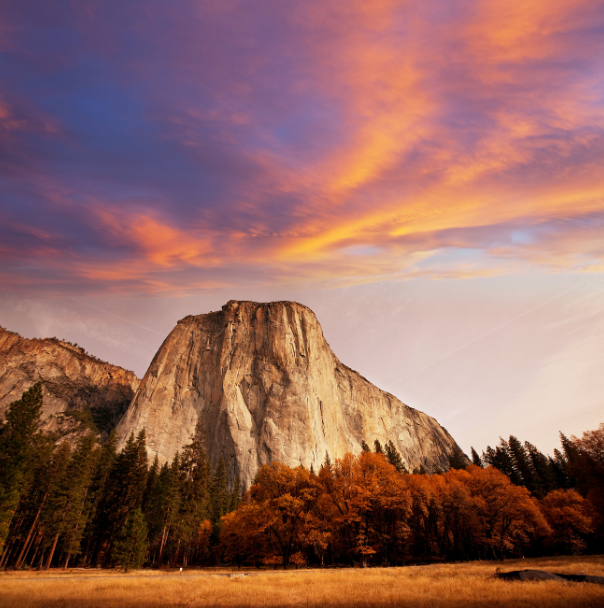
column 172, row 149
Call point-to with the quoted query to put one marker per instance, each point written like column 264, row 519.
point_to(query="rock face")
column 80, row 391
column 264, row 385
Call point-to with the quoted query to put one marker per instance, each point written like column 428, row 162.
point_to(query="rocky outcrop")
column 80, row 391
column 264, row 385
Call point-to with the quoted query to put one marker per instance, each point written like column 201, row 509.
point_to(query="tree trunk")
column 164, row 538
column 26, row 544
column 87, row 550
column 40, row 565
column 107, row 554
column 52, row 551
column 29, row 548
column 7, row 550
column 37, row 544
column 31, row 529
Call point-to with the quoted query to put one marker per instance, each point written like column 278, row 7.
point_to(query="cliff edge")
column 264, row 385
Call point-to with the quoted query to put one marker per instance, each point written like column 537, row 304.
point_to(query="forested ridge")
column 92, row 506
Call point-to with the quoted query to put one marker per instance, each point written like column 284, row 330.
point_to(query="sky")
column 427, row 176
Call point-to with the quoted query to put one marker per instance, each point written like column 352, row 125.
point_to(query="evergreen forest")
column 91, row 506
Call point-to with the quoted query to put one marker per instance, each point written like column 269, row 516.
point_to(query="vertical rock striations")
column 80, row 391
column 265, row 386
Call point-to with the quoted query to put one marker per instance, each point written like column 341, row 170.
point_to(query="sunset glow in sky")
column 429, row 174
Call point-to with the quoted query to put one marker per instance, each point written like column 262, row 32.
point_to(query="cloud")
column 160, row 149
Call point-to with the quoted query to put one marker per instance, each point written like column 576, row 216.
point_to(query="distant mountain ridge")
column 263, row 385
column 81, row 392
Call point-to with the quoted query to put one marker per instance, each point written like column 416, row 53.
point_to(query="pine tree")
column 19, row 441
column 558, row 465
column 523, row 467
column 220, row 495
column 501, row 459
column 97, row 519
column 163, row 508
column 378, row 449
column 131, row 545
column 394, row 458
column 52, row 517
column 152, row 477
column 457, row 459
column 195, row 492
column 364, row 446
column 67, row 511
column 541, row 464
column 25, row 530
column 570, row 453
column 236, row 494
column 476, row 458
column 75, row 491
column 125, row 489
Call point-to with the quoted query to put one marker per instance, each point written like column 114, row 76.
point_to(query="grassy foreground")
column 468, row 584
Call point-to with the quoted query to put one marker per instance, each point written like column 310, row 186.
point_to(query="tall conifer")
column 17, row 453
column 394, row 458
column 220, row 493
column 457, row 459
column 476, row 458
column 523, row 466
column 131, row 545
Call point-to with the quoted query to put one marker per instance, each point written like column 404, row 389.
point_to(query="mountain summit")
column 263, row 385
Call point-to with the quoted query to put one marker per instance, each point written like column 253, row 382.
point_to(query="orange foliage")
column 362, row 509
column 368, row 497
column 508, row 517
column 276, row 519
column 568, row 515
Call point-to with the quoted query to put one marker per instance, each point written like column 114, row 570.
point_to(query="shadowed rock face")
column 93, row 393
column 264, row 385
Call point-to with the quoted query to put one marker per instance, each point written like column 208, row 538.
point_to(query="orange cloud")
column 482, row 118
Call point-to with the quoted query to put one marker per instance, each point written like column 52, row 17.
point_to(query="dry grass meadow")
column 468, row 584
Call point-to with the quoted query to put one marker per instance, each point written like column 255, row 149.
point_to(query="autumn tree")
column 367, row 496
column 568, row 515
column 275, row 519
column 509, row 518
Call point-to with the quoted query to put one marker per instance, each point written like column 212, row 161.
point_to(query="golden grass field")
column 467, row 584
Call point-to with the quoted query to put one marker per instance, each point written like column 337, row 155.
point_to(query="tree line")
column 93, row 506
